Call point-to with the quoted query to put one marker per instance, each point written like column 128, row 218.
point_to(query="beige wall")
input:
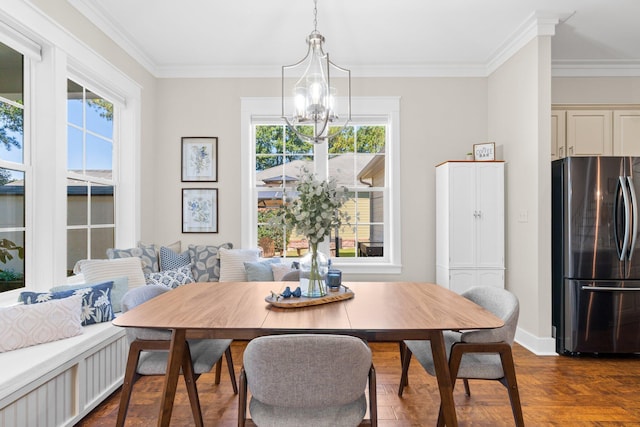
column 596, row 90
column 518, row 120
column 431, row 113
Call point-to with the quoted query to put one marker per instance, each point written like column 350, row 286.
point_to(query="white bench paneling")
column 58, row 383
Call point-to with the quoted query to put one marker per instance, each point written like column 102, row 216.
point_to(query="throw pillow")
column 99, row 270
column 146, row 253
column 171, row 278
column 27, row 325
column 205, row 264
column 279, row 270
column 120, row 287
column 96, row 301
column 260, row 271
column 170, row 260
column 232, row 263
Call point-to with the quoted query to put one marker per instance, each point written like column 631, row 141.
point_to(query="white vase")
column 313, row 273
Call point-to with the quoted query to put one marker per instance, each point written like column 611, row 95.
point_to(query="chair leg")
column 242, row 399
column 508, row 367
column 218, row 371
column 373, row 399
column 467, row 390
column 130, row 378
column 192, row 390
column 232, row 372
column 406, row 360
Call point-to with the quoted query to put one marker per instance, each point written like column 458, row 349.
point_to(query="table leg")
column 445, row 384
column 176, row 352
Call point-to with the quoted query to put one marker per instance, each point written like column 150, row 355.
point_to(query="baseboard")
column 540, row 346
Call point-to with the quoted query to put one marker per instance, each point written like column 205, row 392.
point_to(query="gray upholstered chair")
column 476, row 354
column 148, row 355
column 313, row 380
column 292, row 276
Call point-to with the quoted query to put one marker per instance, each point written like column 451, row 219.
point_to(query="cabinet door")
column 490, row 278
column 489, row 217
column 461, row 211
column 589, row 133
column 558, row 134
column 461, row 280
column 626, row 133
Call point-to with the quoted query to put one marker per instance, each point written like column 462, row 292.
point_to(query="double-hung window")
column 13, row 168
column 69, row 155
column 363, row 158
column 90, row 178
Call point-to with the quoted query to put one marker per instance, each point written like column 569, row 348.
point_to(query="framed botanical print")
column 199, row 159
column 199, row 210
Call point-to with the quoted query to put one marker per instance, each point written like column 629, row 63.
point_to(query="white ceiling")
column 210, row 38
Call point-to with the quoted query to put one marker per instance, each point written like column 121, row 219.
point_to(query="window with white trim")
column 13, row 169
column 35, row 217
column 90, row 179
column 361, row 158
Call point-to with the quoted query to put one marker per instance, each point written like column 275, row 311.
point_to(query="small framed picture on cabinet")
column 484, row 152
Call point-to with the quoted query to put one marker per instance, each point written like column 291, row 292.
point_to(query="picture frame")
column 199, row 210
column 484, row 152
column 199, row 158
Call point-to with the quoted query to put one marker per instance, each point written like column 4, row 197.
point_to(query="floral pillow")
column 96, row 301
column 147, row 253
column 171, row 278
column 205, row 264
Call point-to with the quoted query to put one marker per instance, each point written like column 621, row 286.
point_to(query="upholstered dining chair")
column 307, row 379
column 476, row 354
column 149, row 350
column 292, row 276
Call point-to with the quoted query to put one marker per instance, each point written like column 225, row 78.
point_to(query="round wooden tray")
column 332, row 296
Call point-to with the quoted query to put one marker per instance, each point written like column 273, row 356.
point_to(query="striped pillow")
column 232, row 263
column 100, row 270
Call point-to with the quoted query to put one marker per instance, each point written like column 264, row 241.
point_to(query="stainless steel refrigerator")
column 596, row 254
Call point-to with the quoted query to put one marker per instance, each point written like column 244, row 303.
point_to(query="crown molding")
column 97, row 16
column 595, row 68
column 536, row 25
column 357, row 71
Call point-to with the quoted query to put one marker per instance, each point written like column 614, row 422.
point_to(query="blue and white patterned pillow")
column 171, row 278
column 205, row 263
column 170, row 260
column 96, row 301
column 147, row 253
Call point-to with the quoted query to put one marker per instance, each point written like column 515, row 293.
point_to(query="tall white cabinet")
column 469, row 224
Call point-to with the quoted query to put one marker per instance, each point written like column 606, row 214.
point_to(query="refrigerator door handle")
column 622, row 187
column 608, row 289
column 634, row 217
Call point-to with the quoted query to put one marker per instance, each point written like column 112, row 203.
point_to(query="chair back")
column 133, row 298
column 306, row 370
column 502, row 304
column 292, row 276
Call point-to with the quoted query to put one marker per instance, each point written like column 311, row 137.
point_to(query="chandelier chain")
column 315, row 16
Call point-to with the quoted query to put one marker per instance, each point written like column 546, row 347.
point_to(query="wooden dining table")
column 379, row 311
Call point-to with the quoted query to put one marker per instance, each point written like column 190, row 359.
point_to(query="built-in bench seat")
column 58, row 383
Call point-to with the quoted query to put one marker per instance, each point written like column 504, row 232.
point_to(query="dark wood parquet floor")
column 555, row 391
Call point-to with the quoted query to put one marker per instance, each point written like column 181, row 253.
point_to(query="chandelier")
column 310, row 88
